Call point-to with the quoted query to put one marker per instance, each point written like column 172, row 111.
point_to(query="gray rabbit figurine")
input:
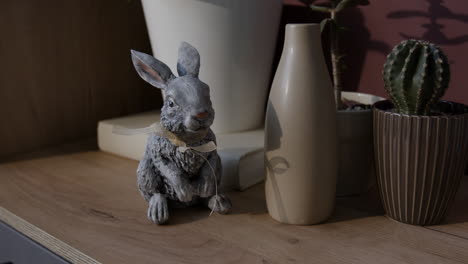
column 168, row 176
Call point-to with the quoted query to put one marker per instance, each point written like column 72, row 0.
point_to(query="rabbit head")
column 187, row 110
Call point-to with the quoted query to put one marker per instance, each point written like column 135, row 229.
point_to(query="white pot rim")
column 363, row 94
column 356, row 96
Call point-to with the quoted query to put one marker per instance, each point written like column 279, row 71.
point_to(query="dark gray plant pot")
column 356, row 149
column 420, row 161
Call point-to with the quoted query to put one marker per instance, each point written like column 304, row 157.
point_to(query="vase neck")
column 303, row 36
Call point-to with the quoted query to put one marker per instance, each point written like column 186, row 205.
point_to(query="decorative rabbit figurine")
column 167, row 174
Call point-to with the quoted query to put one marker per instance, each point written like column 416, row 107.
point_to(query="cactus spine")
column 416, row 75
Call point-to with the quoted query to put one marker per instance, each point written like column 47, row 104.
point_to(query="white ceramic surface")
column 363, row 98
column 236, row 42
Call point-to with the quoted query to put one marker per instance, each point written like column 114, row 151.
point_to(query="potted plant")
column 421, row 142
column 355, row 156
column 236, row 40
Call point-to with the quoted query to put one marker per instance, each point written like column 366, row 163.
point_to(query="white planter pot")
column 356, row 147
column 236, row 41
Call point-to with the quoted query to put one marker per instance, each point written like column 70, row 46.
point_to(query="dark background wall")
column 64, row 65
column 375, row 29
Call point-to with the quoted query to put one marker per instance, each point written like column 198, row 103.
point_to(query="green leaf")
column 342, row 28
column 328, row 22
column 334, row 2
column 324, row 23
column 333, row 25
column 349, row 3
column 321, row 9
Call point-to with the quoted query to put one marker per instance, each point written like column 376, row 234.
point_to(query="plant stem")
column 336, row 61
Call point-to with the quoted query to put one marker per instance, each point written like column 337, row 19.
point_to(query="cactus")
column 416, row 75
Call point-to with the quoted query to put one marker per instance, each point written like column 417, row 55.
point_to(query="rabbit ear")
column 189, row 60
column 153, row 71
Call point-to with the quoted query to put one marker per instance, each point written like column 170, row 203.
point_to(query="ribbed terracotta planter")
column 420, row 161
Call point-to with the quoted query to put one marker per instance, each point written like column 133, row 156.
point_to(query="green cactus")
column 416, row 75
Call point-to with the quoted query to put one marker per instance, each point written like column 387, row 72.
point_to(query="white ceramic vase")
column 236, row 41
column 300, row 132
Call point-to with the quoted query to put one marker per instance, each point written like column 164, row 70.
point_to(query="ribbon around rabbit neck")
column 163, row 132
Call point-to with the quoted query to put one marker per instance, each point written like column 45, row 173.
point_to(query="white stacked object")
column 241, row 153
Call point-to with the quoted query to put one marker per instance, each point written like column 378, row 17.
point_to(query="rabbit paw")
column 183, row 193
column 220, row 203
column 157, row 209
column 205, row 189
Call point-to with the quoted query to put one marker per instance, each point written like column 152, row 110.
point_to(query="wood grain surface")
column 89, row 200
column 64, row 66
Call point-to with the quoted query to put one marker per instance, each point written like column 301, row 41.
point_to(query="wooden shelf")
column 89, row 200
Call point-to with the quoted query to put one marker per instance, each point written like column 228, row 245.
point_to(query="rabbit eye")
column 171, row 104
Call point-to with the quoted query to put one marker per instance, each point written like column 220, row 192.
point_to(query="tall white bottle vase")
column 300, row 132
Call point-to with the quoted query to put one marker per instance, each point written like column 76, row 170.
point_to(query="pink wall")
column 376, row 28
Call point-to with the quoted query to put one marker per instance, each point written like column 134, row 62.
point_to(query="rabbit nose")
column 202, row 115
